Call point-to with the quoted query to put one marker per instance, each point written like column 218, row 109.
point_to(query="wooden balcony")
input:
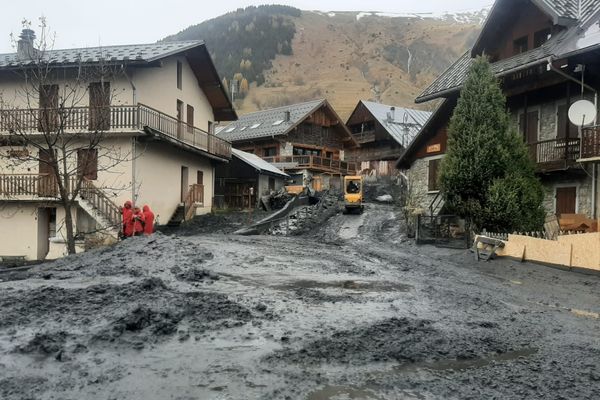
column 113, row 118
column 590, row 143
column 314, row 163
column 364, row 137
column 555, row 154
column 38, row 187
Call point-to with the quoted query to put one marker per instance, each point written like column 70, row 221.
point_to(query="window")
column 99, row 106
column 179, row 118
column 269, row 151
column 200, row 178
column 541, row 37
column 271, row 184
column 563, row 125
column 520, row 45
column 278, row 122
column 255, row 126
column 87, row 163
column 243, row 128
column 179, row 75
column 434, row 171
column 300, row 151
column 229, row 130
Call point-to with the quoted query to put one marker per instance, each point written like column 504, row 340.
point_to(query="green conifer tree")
column 487, row 175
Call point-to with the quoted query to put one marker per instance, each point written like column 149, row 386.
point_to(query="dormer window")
column 520, row 45
column 541, row 37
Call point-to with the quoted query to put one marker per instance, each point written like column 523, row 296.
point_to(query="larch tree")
column 487, row 176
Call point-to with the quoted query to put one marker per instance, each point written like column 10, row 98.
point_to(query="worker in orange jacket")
column 127, row 214
column 148, row 220
column 138, row 222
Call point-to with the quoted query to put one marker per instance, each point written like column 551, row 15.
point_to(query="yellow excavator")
column 353, row 194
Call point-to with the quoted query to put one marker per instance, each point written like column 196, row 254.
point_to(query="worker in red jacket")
column 148, row 220
column 127, row 214
column 138, row 221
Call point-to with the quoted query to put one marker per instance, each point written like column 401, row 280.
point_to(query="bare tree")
column 51, row 124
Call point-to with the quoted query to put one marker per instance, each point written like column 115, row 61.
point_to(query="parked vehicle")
column 353, row 194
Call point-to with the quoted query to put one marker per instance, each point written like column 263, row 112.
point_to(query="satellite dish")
column 582, row 113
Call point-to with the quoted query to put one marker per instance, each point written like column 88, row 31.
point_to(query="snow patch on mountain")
column 462, row 17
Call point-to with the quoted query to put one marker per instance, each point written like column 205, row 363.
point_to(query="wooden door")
column 184, row 183
column 179, row 118
column 200, row 178
column 529, row 128
column 47, row 185
column 566, row 200
column 99, row 106
column 48, row 114
column 87, row 163
column 190, row 118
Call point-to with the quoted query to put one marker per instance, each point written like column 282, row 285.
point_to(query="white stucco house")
column 156, row 110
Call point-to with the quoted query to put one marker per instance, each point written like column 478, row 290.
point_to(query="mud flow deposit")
column 349, row 310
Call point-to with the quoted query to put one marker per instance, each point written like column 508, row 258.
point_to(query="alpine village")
column 287, row 204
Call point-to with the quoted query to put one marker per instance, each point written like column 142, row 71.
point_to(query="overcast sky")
column 78, row 23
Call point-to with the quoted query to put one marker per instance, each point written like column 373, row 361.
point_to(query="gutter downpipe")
column 594, row 166
column 134, row 139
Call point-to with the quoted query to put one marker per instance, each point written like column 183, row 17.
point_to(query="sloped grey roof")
column 258, row 163
column 268, row 123
column 142, row 53
column 576, row 38
column 405, row 124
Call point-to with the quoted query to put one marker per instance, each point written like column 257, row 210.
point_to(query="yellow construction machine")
column 353, row 194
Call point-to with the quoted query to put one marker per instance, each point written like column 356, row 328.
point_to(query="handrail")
column 135, row 117
column 194, row 196
column 317, row 162
column 555, row 150
column 100, row 201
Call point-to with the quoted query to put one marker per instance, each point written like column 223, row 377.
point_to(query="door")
column 566, row 200
column 48, row 114
column 87, row 164
column 200, row 178
column 47, row 181
column 184, row 183
column 190, row 119
column 179, row 118
column 43, row 216
column 99, row 106
column 529, row 128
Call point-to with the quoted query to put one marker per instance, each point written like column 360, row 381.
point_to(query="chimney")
column 287, row 116
column 393, row 113
column 25, row 49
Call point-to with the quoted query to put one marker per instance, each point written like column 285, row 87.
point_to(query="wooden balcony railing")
column 172, row 127
column 111, row 118
column 194, row 197
column 314, row 162
column 555, row 154
column 45, row 186
column 590, row 142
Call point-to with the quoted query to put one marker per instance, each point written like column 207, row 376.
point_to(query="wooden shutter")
column 87, row 163
column 566, row 200
column 434, row 166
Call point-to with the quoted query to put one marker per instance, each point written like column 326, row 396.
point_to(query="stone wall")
column 419, row 195
column 584, row 192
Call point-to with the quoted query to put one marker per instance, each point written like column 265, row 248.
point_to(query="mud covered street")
column 352, row 311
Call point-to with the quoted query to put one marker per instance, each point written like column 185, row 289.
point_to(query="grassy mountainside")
column 344, row 57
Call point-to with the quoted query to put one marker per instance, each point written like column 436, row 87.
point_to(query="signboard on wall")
column 434, row 148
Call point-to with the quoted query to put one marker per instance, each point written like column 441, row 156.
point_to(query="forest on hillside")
column 243, row 43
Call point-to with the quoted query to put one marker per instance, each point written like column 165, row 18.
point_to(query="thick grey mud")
column 350, row 310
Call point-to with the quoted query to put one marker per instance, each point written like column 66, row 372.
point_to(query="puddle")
column 342, row 393
column 375, row 286
column 461, row 365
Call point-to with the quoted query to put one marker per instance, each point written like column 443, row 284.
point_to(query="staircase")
column 178, row 217
column 98, row 206
column 437, row 205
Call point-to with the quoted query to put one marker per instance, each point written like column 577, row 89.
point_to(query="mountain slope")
column 343, row 56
